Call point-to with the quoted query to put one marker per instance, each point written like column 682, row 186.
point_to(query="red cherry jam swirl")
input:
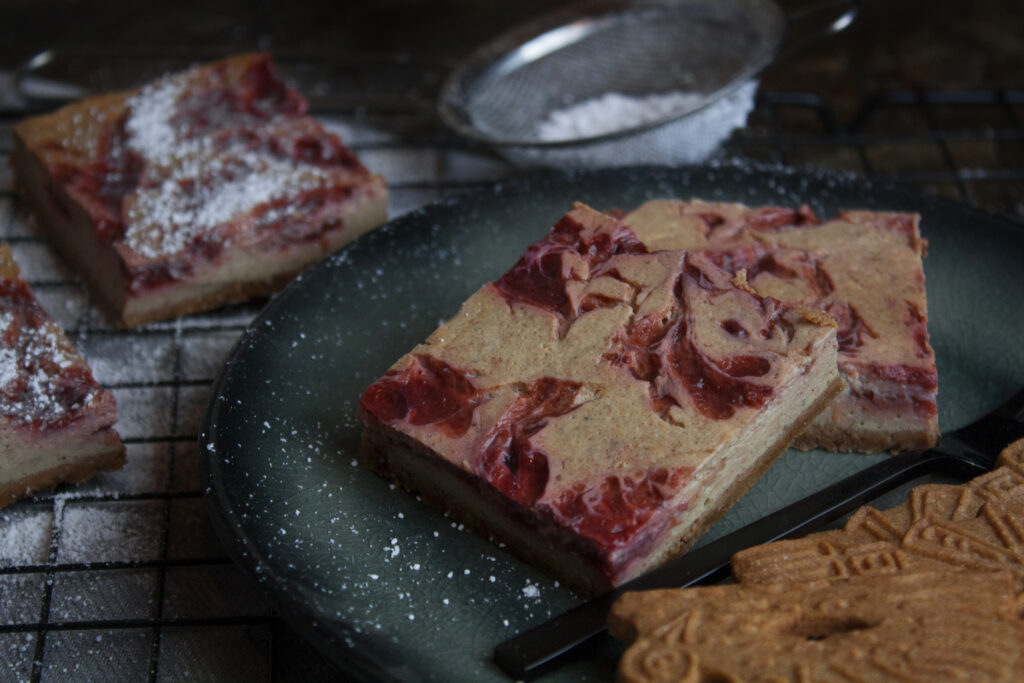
column 757, row 259
column 655, row 346
column 917, row 323
column 717, row 386
column 612, row 512
column 256, row 110
column 774, row 218
column 540, row 276
column 427, row 392
column 102, row 185
column 851, row 327
column 912, row 387
column 43, row 388
column 248, row 111
column 221, row 103
column 506, row 458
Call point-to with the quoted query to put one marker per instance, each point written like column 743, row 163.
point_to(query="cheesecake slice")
column 56, row 423
column 599, row 405
column 865, row 270
column 202, row 188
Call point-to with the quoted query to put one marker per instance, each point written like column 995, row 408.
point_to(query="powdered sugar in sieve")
column 611, row 112
column 690, row 139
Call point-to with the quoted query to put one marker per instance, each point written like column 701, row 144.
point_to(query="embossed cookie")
column 599, row 405
column 1012, row 456
column 928, row 627
column 976, row 526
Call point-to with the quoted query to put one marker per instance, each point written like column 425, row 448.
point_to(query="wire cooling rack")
column 121, row 578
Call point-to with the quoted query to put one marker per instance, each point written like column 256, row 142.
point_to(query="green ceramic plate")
column 391, row 589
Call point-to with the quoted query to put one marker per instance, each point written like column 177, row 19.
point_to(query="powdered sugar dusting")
column 149, row 128
column 33, row 386
column 26, row 536
column 207, row 189
column 202, row 171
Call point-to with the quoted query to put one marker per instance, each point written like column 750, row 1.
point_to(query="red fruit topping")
column 908, row 387
column 926, row 378
column 744, row 366
column 428, row 391
column 41, row 385
column 772, row 218
column 902, row 223
column 918, row 324
column 734, row 328
column 711, row 220
column 654, row 345
column 540, row 276
column 756, row 259
column 506, row 458
column 611, row 512
column 215, row 106
column 265, row 92
column 259, row 114
column 103, row 184
column 715, row 386
column 852, row 328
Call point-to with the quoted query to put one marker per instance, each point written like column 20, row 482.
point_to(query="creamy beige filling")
column 32, row 461
column 727, row 474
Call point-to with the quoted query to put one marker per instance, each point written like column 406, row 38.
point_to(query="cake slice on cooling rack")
column 202, row 188
column 600, row 405
column 56, row 423
column 864, row 269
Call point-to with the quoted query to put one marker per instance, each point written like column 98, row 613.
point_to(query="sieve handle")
column 806, row 26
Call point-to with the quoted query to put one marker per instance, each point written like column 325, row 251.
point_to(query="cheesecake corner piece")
column 56, row 422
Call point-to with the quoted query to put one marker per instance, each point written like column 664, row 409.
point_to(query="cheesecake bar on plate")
column 599, row 405
column 864, row 269
column 56, row 423
column 202, row 188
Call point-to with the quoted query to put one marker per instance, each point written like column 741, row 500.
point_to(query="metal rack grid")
column 121, row 578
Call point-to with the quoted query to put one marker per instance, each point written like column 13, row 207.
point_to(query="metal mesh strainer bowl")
column 705, row 49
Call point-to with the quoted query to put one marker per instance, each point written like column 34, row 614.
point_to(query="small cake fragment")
column 201, row 188
column 599, row 405
column 925, row 627
column 865, row 270
column 56, row 423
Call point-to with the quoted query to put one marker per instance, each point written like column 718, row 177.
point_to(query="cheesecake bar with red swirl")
column 600, row 404
column 56, row 422
column 865, row 270
column 201, row 188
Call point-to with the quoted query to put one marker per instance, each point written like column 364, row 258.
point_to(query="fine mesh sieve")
column 639, row 49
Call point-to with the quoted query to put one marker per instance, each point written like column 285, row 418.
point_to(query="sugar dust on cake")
column 202, row 188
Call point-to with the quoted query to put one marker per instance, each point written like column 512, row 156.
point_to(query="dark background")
column 893, row 44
